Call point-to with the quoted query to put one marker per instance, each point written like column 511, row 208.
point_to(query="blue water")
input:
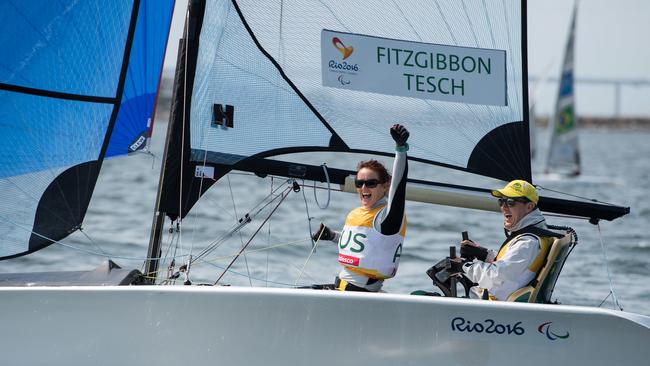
column 616, row 169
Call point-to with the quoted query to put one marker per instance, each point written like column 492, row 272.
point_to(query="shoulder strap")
column 529, row 230
column 540, row 232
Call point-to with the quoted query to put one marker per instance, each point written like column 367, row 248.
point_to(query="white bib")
column 366, row 251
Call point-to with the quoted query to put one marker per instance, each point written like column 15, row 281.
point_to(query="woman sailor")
column 370, row 244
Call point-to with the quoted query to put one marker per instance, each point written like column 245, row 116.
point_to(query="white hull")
column 142, row 325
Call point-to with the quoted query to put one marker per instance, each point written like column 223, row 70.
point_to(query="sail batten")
column 57, row 95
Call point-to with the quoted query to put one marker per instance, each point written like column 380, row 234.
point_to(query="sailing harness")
column 444, row 278
column 545, row 238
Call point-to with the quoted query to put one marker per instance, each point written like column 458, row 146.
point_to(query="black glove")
column 323, row 233
column 470, row 252
column 400, row 134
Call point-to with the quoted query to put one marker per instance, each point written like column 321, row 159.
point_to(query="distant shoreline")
column 605, row 122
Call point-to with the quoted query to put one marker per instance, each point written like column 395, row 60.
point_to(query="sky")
column 611, row 44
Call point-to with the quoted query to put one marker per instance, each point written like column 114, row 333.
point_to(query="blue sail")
column 68, row 69
column 135, row 118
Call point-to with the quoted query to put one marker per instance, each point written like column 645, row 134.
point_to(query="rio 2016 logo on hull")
column 488, row 326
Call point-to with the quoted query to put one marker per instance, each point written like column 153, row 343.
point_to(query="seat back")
column 541, row 289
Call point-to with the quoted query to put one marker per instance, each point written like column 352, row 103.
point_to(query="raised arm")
column 392, row 220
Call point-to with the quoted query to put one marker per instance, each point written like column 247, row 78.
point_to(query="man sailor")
column 521, row 256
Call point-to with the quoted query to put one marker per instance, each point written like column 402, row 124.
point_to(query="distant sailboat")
column 563, row 152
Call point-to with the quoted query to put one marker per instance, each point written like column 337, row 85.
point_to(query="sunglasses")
column 370, row 183
column 511, row 201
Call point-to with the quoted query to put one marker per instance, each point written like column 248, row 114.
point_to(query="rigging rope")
column 268, row 243
column 329, row 189
column 573, row 195
column 609, row 276
column 172, row 277
column 172, row 241
column 251, row 251
column 284, row 195
column 241, row 223
column 81, row 230
column 241, row 237
column 313, row 250
column 308, row 216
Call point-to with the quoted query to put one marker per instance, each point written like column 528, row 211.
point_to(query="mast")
column 154, row 252
column 172, row 173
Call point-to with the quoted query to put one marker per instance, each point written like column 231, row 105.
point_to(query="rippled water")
column 616, row 169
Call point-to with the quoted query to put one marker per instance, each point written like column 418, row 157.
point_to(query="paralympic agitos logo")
column 545, row 328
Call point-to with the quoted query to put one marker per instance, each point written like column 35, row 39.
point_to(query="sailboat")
column 256, row 81
column 564, row 153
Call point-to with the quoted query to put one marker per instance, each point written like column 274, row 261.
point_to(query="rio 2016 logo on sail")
column 488, row 326
column 343, row 67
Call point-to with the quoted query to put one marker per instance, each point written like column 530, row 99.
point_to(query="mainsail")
column 563, row 153
column 63, row 84
column 262, row 81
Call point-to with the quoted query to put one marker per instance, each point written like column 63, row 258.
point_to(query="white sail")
column 453, row 74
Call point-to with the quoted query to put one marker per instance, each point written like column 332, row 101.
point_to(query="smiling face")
column 370, row 196
column 512, row 215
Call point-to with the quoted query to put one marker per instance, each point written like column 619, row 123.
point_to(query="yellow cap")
column 518, row 188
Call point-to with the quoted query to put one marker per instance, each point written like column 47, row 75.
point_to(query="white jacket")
column 510, row 272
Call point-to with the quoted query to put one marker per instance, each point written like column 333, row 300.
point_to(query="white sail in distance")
column 564, row 154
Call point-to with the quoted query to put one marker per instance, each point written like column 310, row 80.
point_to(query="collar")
column 533, row 218
column 381, row 202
